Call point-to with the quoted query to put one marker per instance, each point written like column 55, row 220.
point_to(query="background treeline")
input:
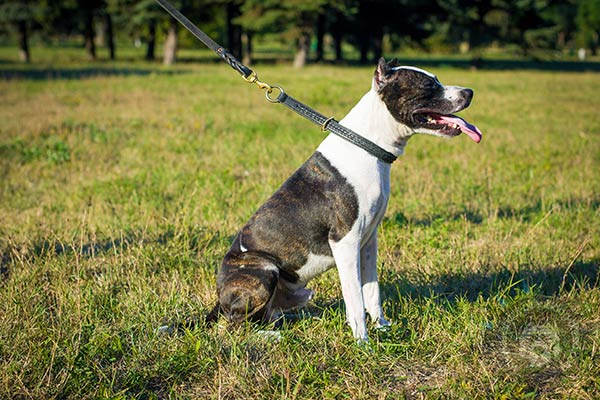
column 312, row 28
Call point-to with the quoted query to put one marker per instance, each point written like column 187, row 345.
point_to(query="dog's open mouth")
column 450, row 125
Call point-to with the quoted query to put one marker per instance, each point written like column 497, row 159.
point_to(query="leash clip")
column 253, row 78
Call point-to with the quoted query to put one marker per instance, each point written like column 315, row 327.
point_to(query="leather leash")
column 250, row 76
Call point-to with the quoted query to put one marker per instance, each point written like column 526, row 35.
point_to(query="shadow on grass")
column 526, row 214
column 470, row 286
column 80, row 73
column 538, row 65
column 549, row 281
column 5, row 259
column 39, row 73
column 197, row 239
column 475, row 63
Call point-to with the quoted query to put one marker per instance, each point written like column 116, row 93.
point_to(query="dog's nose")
column 467, row 96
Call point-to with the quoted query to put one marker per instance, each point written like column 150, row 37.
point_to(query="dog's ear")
column 393, row 63
column 382, row 74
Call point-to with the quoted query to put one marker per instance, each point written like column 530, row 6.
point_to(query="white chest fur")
column 315, row 265
column 369, row 176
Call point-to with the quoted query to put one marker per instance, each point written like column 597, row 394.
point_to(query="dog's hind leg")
column 286, row 298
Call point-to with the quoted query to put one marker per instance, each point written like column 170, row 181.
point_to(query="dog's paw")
column 365, row 345
column 383, row 324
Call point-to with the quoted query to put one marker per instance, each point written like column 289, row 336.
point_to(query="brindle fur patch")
column 315, row 205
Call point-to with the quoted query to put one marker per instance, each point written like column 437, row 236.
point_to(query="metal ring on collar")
column 279, row 96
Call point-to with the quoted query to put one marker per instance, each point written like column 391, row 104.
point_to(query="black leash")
column 250, row 76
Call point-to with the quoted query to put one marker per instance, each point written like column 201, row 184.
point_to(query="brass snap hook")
column 253, row 78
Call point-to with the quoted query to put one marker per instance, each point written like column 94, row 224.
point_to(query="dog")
column 328, row 211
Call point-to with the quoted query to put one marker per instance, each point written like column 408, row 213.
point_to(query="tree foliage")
column 588, row 23
column 304, row 25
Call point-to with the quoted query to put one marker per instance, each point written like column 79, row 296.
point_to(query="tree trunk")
column 561, row 40
column 151, row 40
column 338, row 32
column 88, row 33
column 465, row 44
column 109, row 34
column 365, row 39
column 320, row 36
column 24, row 55
column 364, row 36
column 594, row 43
column 247, row 47
column 171, row 43
column 234, row 31
column 302, row 50
column 377, row 45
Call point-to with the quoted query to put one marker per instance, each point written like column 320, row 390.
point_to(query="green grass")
column 122, row 187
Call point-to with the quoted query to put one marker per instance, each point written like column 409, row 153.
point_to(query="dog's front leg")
column 370, row 283
column 346, row 253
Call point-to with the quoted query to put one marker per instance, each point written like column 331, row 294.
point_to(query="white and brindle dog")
column 328, row 211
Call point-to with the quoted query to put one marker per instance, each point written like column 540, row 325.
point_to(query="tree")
column 374, row 21
column 234, row 30
column 170, row 47
column 588, row 23
column 88, row 8
column 338, row 28
column 118, row 15
column 463, row 21
column 109, row 34
column 321, row 21
column 208, row 15
column 20, row 15
column 247, row 47
column 524, row 21
column 144, row 18
column 560, row 16
column 295, row 21
column 59, row 18
column 294, row 18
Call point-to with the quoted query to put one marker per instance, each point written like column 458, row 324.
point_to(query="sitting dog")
column 328, row 211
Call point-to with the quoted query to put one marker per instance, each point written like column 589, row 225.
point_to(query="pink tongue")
column 471, row 130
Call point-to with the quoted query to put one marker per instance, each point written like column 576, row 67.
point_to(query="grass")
column 122, row 186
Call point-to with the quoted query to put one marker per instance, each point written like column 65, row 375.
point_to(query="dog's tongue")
column 470, row 130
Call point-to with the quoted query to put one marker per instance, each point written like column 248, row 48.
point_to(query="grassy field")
column 122, row 185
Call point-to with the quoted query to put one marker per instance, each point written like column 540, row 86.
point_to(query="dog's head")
column 416, row 99
column 245, row 292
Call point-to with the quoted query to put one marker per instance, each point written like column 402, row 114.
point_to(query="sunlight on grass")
column 121, row 190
